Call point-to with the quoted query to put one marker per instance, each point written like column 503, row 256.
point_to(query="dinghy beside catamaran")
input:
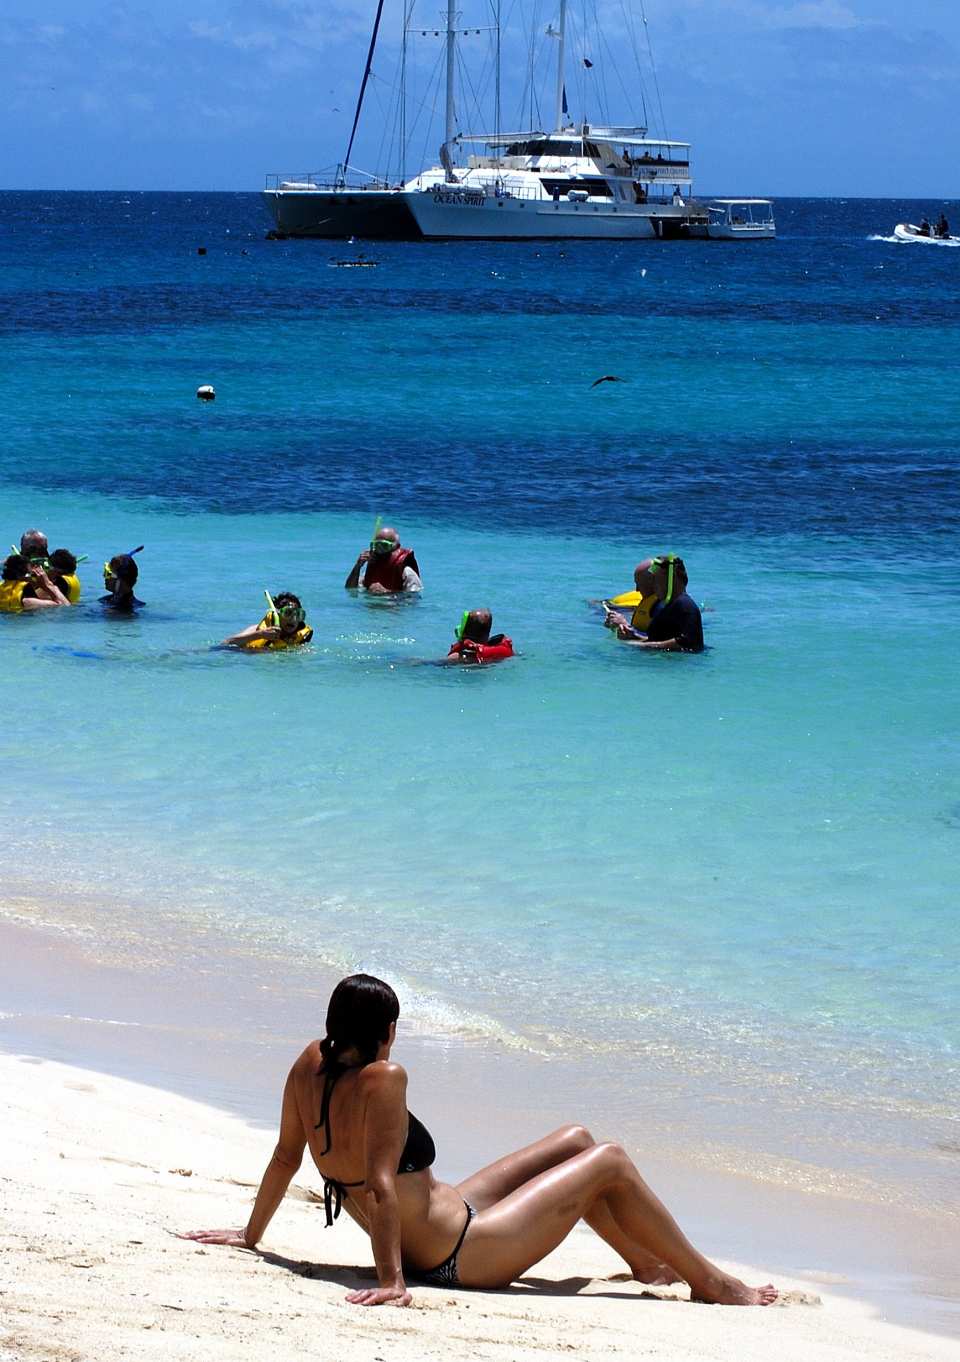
column 578, row 181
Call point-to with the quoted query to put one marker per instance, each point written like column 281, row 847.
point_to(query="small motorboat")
column 906, row 231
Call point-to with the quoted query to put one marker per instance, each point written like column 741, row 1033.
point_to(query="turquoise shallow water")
column 748, row 858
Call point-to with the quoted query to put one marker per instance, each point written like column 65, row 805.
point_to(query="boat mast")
column 451, row 127
column 345, row 166
column 561, row 36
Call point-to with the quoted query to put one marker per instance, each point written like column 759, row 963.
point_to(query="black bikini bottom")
column 446, row 1273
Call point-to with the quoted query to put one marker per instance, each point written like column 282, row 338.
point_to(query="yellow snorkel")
column 666, row 561
column 273, row 613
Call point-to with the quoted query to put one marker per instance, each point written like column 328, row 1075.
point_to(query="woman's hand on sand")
column 380, row 1295
column 232, row 1238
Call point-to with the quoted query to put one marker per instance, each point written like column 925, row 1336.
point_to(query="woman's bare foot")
column 724, row 1290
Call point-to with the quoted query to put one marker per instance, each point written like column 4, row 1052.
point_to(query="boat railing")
column 312, row 180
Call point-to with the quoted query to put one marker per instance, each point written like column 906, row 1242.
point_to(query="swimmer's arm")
column 252, row 631
column 411, row 580
column 354, row 578
column 666, row 645
column 384, row 1134
column 51, row 598
column 287, row 1158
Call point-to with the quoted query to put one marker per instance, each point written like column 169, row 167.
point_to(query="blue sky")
column 833, row 97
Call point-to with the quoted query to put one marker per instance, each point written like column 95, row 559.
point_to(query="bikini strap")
column 328, row 1086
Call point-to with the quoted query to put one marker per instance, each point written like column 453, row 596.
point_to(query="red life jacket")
column 496, row 650
column 387, row 569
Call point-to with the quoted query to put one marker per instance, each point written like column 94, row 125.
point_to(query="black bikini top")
column 418, row 1153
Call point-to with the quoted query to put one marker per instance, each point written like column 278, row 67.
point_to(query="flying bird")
column 607, row 378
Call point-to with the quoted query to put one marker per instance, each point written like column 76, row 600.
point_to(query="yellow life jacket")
column 70, row 587
column 11, row 595
column 253, row 644
column 642, row 607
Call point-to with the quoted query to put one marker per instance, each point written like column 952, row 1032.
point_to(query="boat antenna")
column 363, row 87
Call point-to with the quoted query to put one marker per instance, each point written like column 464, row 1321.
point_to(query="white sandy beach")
column 98, row 1173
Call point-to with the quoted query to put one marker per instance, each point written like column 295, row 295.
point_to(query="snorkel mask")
column 666, row 562
column 291, row 615
column 462, row 626
column 382, row 546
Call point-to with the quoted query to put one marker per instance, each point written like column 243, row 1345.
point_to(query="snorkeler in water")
column 283, row 626
column 120, row 577
column 474, row 644
column 27, row 585
column 676, row 624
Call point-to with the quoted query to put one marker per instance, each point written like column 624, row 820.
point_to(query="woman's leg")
column 509, row 1237
column 506, row 1175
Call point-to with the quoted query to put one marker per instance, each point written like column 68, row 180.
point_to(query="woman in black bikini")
column 347, row 1101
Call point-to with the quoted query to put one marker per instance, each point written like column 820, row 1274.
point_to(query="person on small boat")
column 676, row 625
column 27, row 585
column 474, row 644
column 120, row 577
column 346, row 1100
column 943, row 226
column 924, row 228
column 283, row 626
column 388, row 568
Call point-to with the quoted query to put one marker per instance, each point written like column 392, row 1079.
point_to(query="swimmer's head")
column 475, row 626
column 290, row 613
column 384, row 542
column 361, row 1016
column 33, row 544
column 642, row 578
column 16, row 568
column 669, row 576
column 121, row 568
column 63, row 562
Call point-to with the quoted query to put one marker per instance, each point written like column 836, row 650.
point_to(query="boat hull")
column 906, row 231
column 462, row 215
column 336, row 214
column 741, row 232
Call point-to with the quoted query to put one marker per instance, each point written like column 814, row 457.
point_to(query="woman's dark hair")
column 64, row 561
column 15, row 567
column 281, row 599
column 125, row 569
column 359, row 1016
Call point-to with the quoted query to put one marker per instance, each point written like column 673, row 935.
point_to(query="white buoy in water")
column 206, row 392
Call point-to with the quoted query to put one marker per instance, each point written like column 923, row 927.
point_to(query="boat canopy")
column 628, row 137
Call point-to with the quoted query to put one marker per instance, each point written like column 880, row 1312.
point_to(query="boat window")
column 541, row 148
column 598, row 189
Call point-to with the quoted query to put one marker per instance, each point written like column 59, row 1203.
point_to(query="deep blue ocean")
column 747, row 858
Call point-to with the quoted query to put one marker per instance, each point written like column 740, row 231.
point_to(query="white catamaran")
column 579, row 181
